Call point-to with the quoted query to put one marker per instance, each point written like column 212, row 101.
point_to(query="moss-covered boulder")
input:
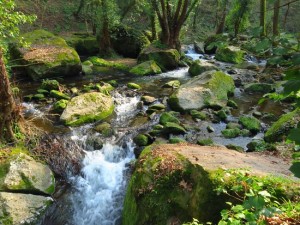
column 59, row 95
column 205, row 142
column 141, row 140
column 104, row 88
column 21, row 173
column 176, row 140
column 48, row 56
column 17, row 208
column 208, row 89
column 146, row 68
column 50, row 85
column 165, row 188
column 83, row 43
column 105, row 129
column 230, row 54
column 280, row 129
column 60, row 105
column 198, row 115
column 250, row 123
column 147, row 100
column 259, row 88
column 172, row 84
column 231, row 133
column 134, row 86
column 128, row 41
column 166, row 59
column 173, row 128
column 87, row 108
column 99, row 62
column 200, row 66
column 168, row 117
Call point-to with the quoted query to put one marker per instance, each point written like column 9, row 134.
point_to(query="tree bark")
column 221, row 24
column 9, row 112
column 276, row 18
column 105, row 43
column 263, row 15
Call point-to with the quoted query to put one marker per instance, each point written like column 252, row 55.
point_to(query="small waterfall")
column 100, row 190
column 98, row 193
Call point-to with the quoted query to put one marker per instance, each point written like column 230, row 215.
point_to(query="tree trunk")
column 221, row 23
column 153, row 26
column 81, row 4
column 263, row 15
column 276, row 18
column 9, row 113
column 105, row 43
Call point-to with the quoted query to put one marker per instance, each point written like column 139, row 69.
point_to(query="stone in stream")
column 172, row 84
column 230, row 54
column 18, row 208
column 200, row 66
column 133, row 86
column 205, row 90
column 147, row 100
column 48, row 56
column 259, row 88
column 250, row 123
column 87, row 108
column 146, row 68
column 21, row 173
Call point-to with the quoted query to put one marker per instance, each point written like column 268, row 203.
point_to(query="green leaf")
column 292, row 74
column 294, row 135
column 264, row 194
column 291, row 86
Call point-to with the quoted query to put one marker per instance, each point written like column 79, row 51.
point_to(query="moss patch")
column 146, row 68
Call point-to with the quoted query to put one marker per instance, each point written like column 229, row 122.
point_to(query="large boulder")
column 208, row 89
column 230, row 54
column 146, row 68
column 174, row 183
column 22, row 173
column 83, row 43
column 22, row 208
column 166, row 59
column 128, row 41
column 200, row 66
column 87, row 108
column 48, row 56
column 280, row 129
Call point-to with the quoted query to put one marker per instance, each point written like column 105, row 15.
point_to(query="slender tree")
column 10, row 114
column 263, row 16
column 171, row 16
column 223, row 4
column 276, row 18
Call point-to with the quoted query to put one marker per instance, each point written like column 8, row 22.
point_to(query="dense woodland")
column 48, row 43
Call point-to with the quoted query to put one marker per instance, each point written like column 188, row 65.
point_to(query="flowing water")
column 95, row 196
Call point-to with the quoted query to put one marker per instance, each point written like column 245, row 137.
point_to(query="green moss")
column 233, row 125
column 199, row 67
column 172, row 84
column 198, row 115
column 133, row 86
column 141, row 140
column 176, row 140
column 38, row 97
column 50, row 85
column 231, row 133
column 250, row 123
column 230, row 54
column 281, row 128
column 232, row 104
column 205, row 142
column 259, row 145
column 222, row 115
column 235, row 147
column 59, row 95
column 84, row 44
column 104, row 88
column 90, row 118
column 42, row 37
column 259, row 88
column 60, row 105
column 167, row 117
column 104, row 63
column 50, row 190
column 146, row 68
column 173, row 128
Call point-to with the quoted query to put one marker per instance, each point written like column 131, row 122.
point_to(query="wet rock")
column 104, row 88
column 167, row 117
column 235, row 147
column 48, row 56
column 210, row 129
column 134, row 86
column 259, row 88
column 60, row 105
column 231, row 133
column 176, row 140
column 198, row 115
column 105, row 129
column 141, row 140
column 200, row 66
column 24, row 174
column 202, row 91
column 205, row 142
column 93, row 143
column 250, row 123
column 280, row 129
column 233, row 125
column 39, row 97
column 59, row 95
column 166, row 59
column 22, row 208
column 222, row 115
column 83, row 43
column 257, row 114
column 173, row 128
column 157, row 107
column 232, row 104
column 147, row 100
column 172, row 84
column 86, row 108
column 199, row 47
column 259, row 145
column 230, row 54
column 146, row 68
column 50, row 85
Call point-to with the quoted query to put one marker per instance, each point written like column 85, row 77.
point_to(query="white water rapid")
column 99, row 191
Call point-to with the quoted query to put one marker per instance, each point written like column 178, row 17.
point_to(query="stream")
column 95, row 196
